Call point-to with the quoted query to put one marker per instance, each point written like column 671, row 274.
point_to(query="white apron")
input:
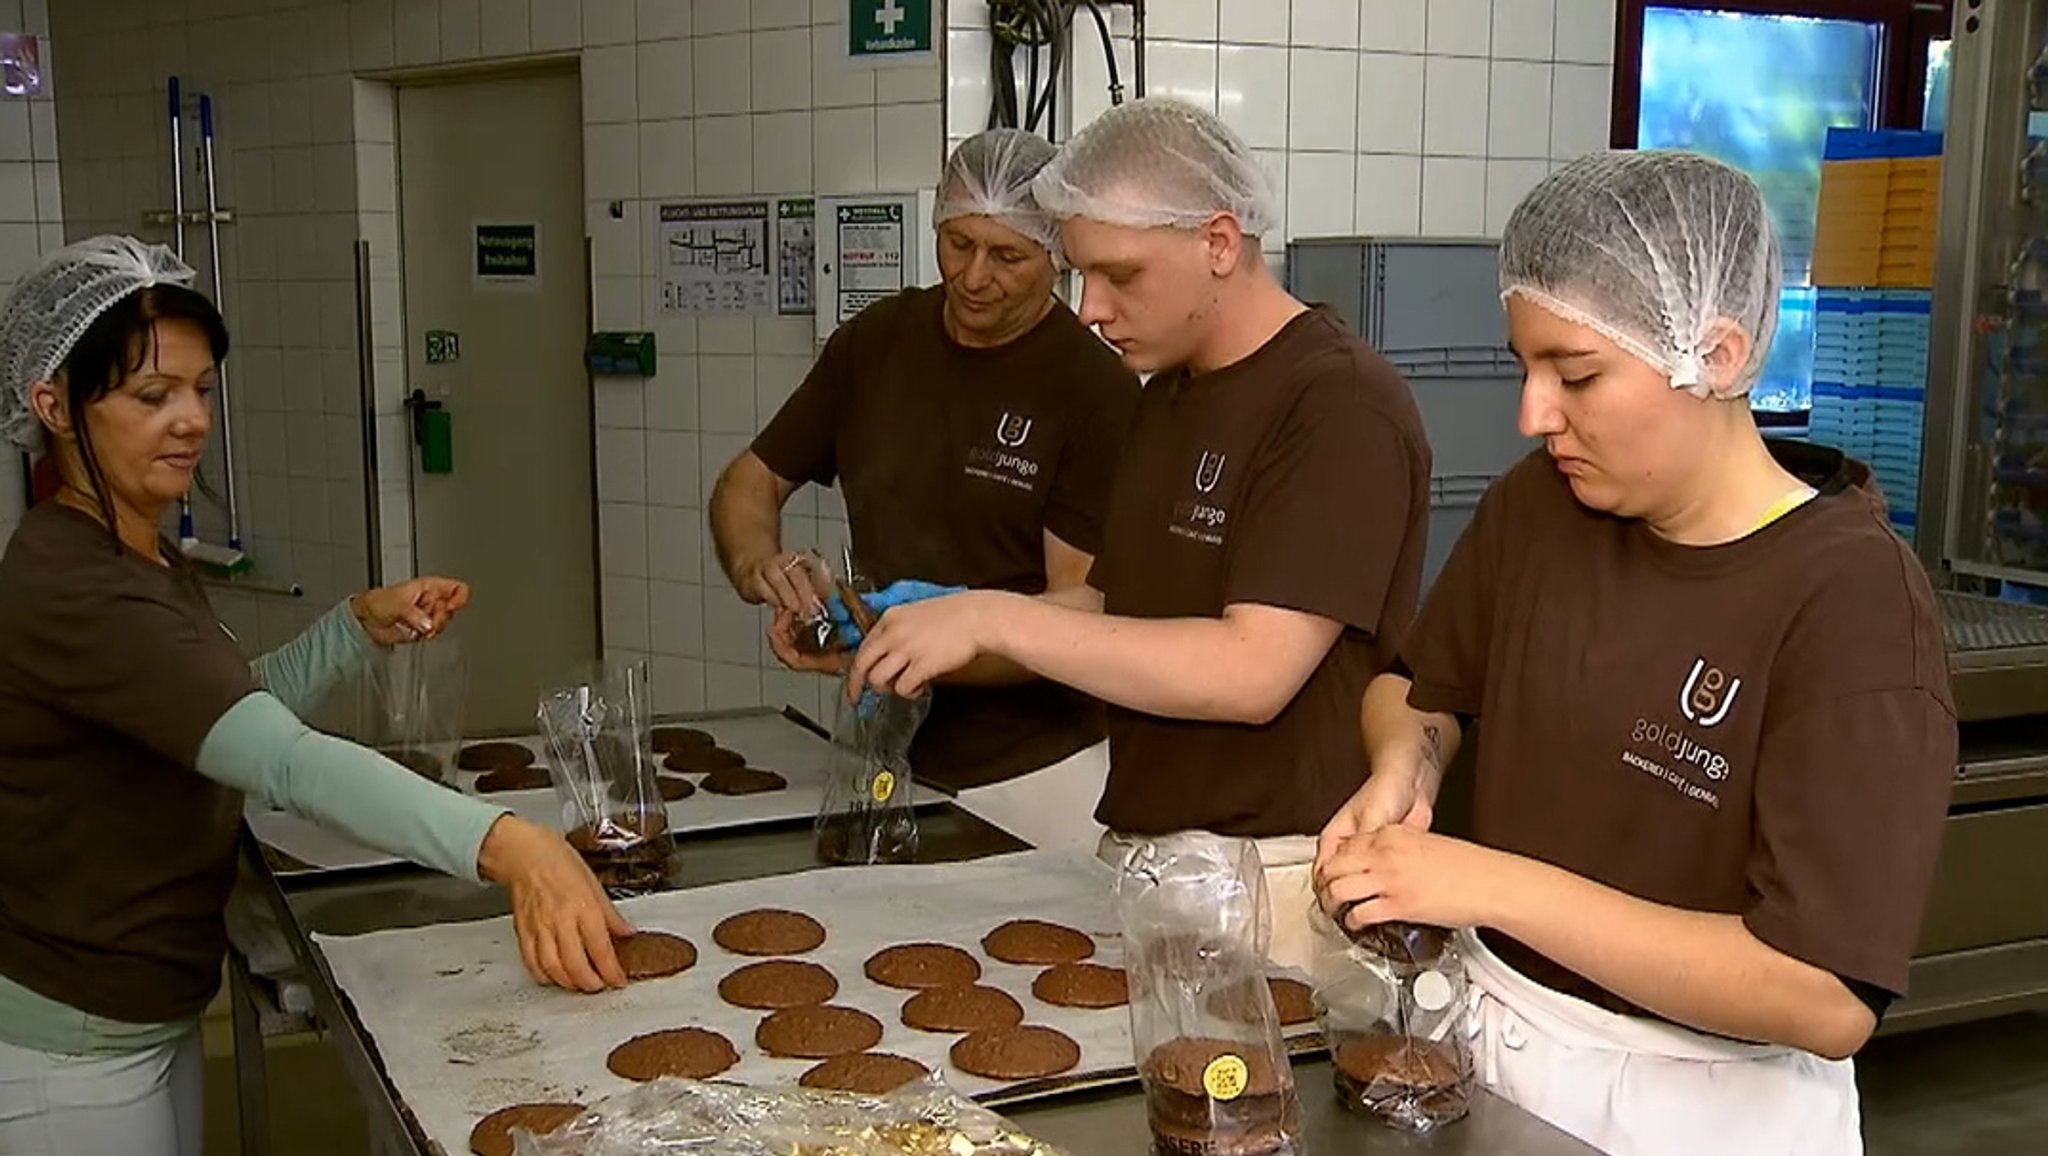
column 1636, row 1087
column 1052, row 808
column 1288, row 863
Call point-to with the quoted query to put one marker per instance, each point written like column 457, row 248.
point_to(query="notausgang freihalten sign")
column 880, row 31
column 507, row 252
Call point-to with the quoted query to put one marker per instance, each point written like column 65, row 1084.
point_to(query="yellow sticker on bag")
column 1225, row 1078
column 883, row 786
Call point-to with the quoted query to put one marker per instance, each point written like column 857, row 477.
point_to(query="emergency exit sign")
column 881, row 31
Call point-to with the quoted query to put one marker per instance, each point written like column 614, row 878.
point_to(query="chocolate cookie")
column 703, row 760
column 513, row 779
column 1412, row 1082
column 673, row 789
column 654, row 954
column 692, row 1053
column 492, row 1135
column 1037, row 942
column 1182, row 1065
column 494, row 756
column 818, row 1032
column 768, row 932
column 868, row 1073
column 961, row 1008
column 774, row 984
column 668, row 740
column 425, row 764
column 1213, row 1097
column 743, row 781
column 1016, row 1053
column 1083, row 985
column 1292, row 999
column 915, row 966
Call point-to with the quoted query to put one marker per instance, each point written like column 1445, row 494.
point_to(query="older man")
column 974, row 429
column 1264, row 546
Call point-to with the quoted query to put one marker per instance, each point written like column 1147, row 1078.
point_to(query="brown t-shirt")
column 117, row 856
column 1761, row 728
column 954, row 463
column 1297, row 478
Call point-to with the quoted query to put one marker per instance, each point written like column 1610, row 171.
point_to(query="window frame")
column 1907, row 28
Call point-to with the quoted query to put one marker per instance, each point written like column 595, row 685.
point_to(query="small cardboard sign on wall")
column 508, row 256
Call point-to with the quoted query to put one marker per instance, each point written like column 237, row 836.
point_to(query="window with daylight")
column 1758, row 83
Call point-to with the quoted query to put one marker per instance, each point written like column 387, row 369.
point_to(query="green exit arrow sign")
column 882, row 31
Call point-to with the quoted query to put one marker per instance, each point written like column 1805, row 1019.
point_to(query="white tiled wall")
column 1461, row 106
column 681, row 98
column 31, row 202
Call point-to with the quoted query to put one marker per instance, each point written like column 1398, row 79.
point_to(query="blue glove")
column 895, row 594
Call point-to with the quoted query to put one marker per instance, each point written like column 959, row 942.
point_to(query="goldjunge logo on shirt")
column 1201, row 517
column 1667, row 751
column 1004, row 462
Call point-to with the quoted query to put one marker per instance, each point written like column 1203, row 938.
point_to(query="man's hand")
column 410, row 611
column 918, row 642
column 782, row 636
column 1388, row 798
column 564, row 921
column 781, row 582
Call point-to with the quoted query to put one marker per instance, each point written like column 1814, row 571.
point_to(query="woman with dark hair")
column 131, row 726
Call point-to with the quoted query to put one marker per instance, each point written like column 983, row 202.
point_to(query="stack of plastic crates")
column 1870, row 386
column 1873, row 267
column 1879, row 192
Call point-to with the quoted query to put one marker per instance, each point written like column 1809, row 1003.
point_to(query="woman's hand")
column 1398, row 872
column 410, row 611
column 565, row 923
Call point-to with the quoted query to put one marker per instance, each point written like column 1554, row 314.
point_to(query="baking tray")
column 426, row 997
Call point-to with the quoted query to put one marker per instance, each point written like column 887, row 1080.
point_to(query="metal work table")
column 1109, row 1122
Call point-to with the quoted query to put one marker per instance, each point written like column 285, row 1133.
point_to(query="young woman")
column 1718, row 736
column 131, row 727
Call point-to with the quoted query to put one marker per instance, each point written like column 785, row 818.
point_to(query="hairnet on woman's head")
column 1158, row 163
column 1658, row 251
column 990, row 175
column 53, row 306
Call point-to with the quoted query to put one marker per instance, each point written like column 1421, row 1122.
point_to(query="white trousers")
column 144, row 1103
column 1288, row 864
column 1636, row 1087
column 1052, row 808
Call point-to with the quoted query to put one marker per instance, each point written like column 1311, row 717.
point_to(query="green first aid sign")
column 880, row 30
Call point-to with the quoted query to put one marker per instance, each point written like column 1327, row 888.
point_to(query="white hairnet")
column 53, row 306
column 1655, row 250
column 990, row 175
column 1157, row 163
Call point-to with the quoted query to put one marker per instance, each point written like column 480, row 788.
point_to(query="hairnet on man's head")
column 1158, row 163
column 1656, row 250
column 990, row 175
column 55, row 303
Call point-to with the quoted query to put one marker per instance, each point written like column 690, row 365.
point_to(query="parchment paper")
column 769, row 741
column 463, row 1031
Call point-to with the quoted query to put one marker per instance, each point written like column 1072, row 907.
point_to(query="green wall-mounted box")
column 620, row 355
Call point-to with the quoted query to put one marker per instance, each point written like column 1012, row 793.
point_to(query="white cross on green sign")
column 880, row 29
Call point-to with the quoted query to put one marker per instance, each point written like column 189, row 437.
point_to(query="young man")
column 974, row 429
column 1264, row 545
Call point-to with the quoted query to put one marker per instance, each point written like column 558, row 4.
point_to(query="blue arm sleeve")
column 263, row 749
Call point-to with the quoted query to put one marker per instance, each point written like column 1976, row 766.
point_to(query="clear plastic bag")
column 1204, row 1031
column 671, row 1116
column 867, row 816
column 817, row 633
column 1393, row 1005
column 407, row 702
column 604, row 777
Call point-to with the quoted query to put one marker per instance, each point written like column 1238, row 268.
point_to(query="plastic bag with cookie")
column 1392, row 1002
column 1204, row 1030
column 866, row 815
column 604, row 778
